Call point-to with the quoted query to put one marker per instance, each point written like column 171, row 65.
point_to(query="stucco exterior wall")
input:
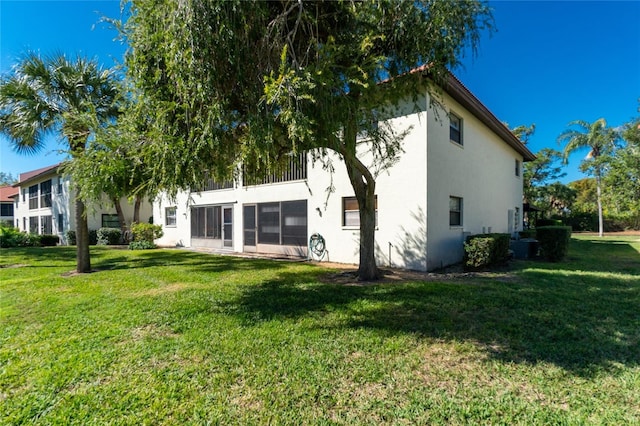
column 413, row 195
column 62, row 203
column 481, row 171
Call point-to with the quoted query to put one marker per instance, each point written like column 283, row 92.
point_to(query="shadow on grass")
column 578, row 319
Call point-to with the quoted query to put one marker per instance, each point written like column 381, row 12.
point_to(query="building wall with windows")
column 45, row 204
column 455, row 177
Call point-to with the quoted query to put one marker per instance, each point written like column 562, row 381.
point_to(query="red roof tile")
column 34, row 173
column 6, row 192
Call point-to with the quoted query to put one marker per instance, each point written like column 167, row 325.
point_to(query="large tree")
column 70, row 98
column 623, row 177
column 599, row 140
column 113, row 166
column 251, row 81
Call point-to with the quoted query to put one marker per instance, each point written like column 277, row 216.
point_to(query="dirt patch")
column 348, row 275
column 17, row 265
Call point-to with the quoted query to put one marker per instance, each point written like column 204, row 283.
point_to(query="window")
column 516, row 219
column 206, row 222
column 45, row 194
column 517, row 167
column 351, row 212
column 24, row 195
column 269, row 223
column 455, row 128
column 59, row 191
column 6, row 209
column 283, row 223
column 24, row 224
column 33, row 224
column 33, row 197
column 170, row 216
column 294, row 223
column 455, row 211
column 110, row 221
column 60, row 223
column 46, row 225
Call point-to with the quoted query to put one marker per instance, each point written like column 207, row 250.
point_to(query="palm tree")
column 599, row 139
column 55, row 95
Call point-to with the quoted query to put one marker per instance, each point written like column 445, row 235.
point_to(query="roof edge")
column 464, row 97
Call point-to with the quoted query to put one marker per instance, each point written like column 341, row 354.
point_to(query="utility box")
column 525, row 248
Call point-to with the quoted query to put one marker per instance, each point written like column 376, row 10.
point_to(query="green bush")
column 582, row 221
column 71, row 237
column 484, row 250
column 32, row 240
column 527, row 233
column 109, row 236
column 141, row 245
column 11, row 237
column 49, row 240
column 548, row 222
column 146, row 232
column 72, row 240
column 554, row 241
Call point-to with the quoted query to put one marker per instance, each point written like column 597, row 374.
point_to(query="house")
column 460, row 174
column 45, row 205
column 7, row 194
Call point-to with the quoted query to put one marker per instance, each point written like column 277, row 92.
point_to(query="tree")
column 7, row 179
column 113, row 166
column 600, row 140
column 586, row 195
column 230, row 82
column 623, row 175
column 57, row 95
column 540, row 172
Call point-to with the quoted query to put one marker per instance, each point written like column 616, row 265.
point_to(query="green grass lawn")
column 178, row 337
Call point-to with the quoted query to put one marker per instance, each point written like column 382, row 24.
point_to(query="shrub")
column 141, row 245
column 554, row 241
column 582, row 221
column 11, row 237
column 527, row 233
column 32, row 240
column 146, row 232
column 49, row 240
column 548, row 222
column 71, row 237
column 483, row 250
column 93, row 237
column 72, row 240
column 109, row 236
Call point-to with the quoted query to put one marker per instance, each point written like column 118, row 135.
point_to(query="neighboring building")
column 45, row 205
column 460, row 174
column 7, row 194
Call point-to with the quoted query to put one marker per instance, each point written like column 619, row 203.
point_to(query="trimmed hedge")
column 527, row 233
column 483, row 250
column 554, row 241
column 48, row 240
column 72, row 240
column 141, row 245
column 146, row 232
column 548, row 222
column 109, row 236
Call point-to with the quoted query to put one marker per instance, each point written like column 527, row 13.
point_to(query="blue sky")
column 548, row 63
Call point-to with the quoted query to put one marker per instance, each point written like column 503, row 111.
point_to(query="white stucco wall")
column 63, row 203
column 481, row 172
column 413, row 199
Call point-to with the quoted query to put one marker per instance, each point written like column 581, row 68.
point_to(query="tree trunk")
column 83, row 259
column 121, row 220
column 136, row 209
column 364, row 187
column 599, row 200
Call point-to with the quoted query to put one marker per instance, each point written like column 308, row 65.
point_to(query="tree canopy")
column 230, row 82
column 71, row 98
